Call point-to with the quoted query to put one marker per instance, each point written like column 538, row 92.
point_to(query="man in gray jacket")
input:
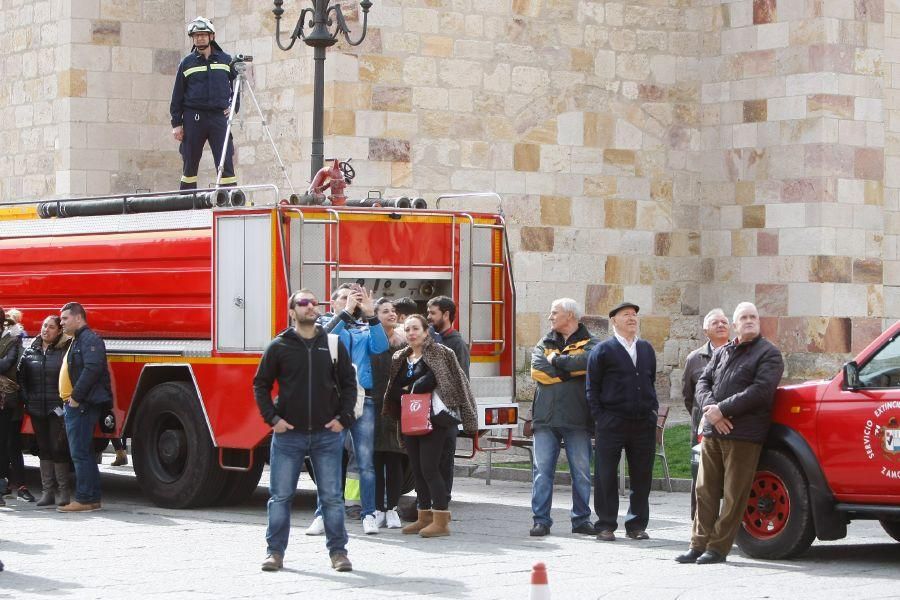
column 735, row 393
column 715, row 325
column 561, row 414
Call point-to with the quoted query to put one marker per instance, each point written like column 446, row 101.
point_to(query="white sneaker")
column 380, row 520
column 317, row 527
column 369, row 525
column 393, row 519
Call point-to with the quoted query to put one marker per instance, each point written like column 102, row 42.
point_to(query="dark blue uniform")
column 202, row 92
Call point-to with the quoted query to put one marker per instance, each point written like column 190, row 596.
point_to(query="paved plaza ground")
column 133, row 549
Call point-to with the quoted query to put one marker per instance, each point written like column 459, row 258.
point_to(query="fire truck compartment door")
column 243, row 282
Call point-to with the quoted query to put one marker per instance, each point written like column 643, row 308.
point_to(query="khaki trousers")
column 727, row 468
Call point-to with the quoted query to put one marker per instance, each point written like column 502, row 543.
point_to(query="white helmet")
column 200, row 25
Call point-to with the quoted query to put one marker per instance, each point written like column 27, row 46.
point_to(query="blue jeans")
column 362, row 435
column 546, row 452
column 289, row 449
column 80, row 423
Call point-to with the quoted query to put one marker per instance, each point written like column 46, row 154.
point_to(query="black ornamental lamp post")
column 326, row 22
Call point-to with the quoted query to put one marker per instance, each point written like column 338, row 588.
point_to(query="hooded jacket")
column 362, row 340
column 39, row 375
column 311, row 389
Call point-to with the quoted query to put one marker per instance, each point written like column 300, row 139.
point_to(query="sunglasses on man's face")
column 306, row 302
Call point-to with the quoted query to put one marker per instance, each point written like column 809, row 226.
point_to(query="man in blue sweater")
column 360, row 331
column 621, row 392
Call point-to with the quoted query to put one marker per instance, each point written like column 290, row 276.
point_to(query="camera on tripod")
column 239, row 62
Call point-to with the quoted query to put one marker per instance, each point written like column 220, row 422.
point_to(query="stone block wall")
column 681, row 154
column 31, row 135
column 793, row 165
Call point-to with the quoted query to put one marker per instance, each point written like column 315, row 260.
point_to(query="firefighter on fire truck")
column 201, row 100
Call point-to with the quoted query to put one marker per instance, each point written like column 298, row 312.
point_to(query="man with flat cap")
column 621, row 392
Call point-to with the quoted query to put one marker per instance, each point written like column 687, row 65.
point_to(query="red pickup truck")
column 832, row 456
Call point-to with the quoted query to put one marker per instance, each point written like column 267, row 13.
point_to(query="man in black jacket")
column 735, row 393
column 84, row 386
column 441, row 314
column 315, row 403
column 621, row 392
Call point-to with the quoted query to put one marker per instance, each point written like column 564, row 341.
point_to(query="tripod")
column 240, row 67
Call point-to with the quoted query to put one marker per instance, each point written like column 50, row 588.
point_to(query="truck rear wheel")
column 892, row 528
column 778, row 520
column 174, row 458
column 240, row 485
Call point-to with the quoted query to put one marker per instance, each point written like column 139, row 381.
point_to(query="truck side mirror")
column 851, row 376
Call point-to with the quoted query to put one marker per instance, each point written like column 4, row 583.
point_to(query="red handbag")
column 415, row 414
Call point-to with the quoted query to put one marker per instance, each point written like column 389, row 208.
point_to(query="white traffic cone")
column 539, row 588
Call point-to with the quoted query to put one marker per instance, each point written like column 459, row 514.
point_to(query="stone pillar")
column 793, row 138
column 115, row 82
column 32, row 135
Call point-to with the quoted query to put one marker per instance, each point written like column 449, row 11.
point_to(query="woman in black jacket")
column 426, row 366
column 11, row 411
column 39, row 381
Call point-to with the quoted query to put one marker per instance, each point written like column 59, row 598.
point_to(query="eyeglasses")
column 305, row 302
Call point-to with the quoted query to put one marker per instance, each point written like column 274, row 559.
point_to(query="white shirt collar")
column 623, row 341
column 631, row 349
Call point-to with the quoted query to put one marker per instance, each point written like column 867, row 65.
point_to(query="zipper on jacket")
column 309, row 372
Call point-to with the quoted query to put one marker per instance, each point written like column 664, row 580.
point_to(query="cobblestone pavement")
column 133, row 549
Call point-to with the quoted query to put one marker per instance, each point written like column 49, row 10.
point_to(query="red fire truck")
column 187, row 291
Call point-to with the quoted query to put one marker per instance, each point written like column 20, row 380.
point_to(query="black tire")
column 240, row 485
column 174, row 458
column 778, row 519
column 892, row 528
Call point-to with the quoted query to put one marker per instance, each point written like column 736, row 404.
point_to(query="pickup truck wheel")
column 778, row 520
column 892, row 528
column 174, row 458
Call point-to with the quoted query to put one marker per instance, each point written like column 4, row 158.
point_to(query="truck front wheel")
column 892, row 528
column 174, row 458
column 778, row 520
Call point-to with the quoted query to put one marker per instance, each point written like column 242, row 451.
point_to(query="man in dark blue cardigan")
column 621, row 373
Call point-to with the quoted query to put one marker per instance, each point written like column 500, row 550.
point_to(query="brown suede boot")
column 439, row 527
column 424, row 520
column 121, row 459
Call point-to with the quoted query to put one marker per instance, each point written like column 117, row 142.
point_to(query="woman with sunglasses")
column 425, row 366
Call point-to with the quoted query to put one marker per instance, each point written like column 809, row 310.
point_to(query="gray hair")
column 741, row 308
column 713, row 313
column 568, row 305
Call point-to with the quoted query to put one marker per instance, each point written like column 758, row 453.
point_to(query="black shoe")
column 688, row 557
column 539, row 530
column 607, row 535
column 710, row 557
column 638, row 534
column 25, row 495
column 586, row 528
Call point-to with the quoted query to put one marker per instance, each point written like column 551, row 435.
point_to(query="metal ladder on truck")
column 502, row 389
